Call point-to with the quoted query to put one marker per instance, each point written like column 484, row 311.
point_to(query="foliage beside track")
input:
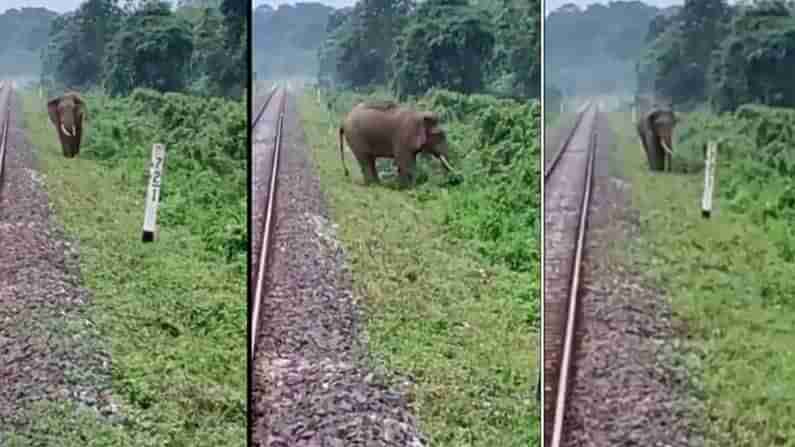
column 173, row 311
column 449, row 269
column 495, row 151
column 453, row 44
column 195, row 47
column 732, row 277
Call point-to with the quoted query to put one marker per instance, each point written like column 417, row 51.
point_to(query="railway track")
column 568, row 178
column 5, row 119
column 267, row 207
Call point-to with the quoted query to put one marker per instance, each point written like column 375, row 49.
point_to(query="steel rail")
column 565, row 143
column 264, row 106
column 269, row 215
column 4, row 127
column 568, row 343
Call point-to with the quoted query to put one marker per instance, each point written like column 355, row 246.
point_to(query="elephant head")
column 430, row 138
column 66, row 113
column 662, row 122
column 656, row 134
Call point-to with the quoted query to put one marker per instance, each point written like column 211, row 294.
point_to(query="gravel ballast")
column 313, row 385
column 49, row 347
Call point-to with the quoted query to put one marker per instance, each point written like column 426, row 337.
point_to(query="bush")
column 206, row 159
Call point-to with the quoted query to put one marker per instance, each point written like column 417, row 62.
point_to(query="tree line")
column 198, row 47
column 709, row 51
column 286, row 39
column 593, row 49
column 23, row 33
column 411, row 47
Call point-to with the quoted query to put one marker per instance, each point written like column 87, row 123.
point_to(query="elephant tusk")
column 665, row 146
column 446, row 163
column 63, row 129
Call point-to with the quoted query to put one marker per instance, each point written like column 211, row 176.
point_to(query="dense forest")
column 584, row 55
column 198, row 47
column 412, row 47
column 23, row 34
column 286, row 40
column 727, row 55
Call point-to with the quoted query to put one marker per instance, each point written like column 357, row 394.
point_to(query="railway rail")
column 5, row 119
column 269, row 208
column 568, row 179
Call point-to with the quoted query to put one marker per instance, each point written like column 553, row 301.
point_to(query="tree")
column 153, row 50
column 517, row 51
column 443, row 46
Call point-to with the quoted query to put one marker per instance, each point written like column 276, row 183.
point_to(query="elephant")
column 388, row 130
column 655, row 129
column 67, row 113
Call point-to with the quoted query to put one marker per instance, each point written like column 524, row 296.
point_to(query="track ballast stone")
column 628, row 388
column 49, row 348
column 313, row 384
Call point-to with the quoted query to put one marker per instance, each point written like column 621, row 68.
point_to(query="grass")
column 438, row 312
column 173, row 312
column 731, row 286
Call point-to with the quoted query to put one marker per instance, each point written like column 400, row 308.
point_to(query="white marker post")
column 634, row 114
column 153, row 192
column 709, row 179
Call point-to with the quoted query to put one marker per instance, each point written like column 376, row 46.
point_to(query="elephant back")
column 380, row 105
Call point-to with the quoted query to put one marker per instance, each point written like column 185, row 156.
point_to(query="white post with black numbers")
column 709, row 179
column 153, row 192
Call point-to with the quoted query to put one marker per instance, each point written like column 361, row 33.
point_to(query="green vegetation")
column 23, row 34
column 199, row 49
column 585, row 56
column 286, row 39
column 727, row 55
column 449, row 273
column 453, row 44
column 730, row 277
column 174, row 311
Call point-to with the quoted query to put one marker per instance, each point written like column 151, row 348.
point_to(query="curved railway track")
column 272, row 169
column 5, row 115
column 568, row 178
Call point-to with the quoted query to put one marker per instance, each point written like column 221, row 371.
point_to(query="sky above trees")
column 59, row 6
column 552, row 5
column 332, row 3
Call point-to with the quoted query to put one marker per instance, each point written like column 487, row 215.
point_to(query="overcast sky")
column 59, row 6
column 333, row 3
column 552, row 5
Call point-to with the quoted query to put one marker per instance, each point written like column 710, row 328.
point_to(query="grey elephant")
column 388, row 130
column 655, row 129
column 67, row 113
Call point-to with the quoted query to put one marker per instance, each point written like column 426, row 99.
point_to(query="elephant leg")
column 372, row 171
column 405, row 162
column 78, row 139
column 659, row 155
column 367, row 163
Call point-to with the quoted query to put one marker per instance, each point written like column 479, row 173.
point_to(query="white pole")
column 153, row 192
column 709, row 179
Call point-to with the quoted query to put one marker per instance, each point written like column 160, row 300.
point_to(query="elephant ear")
column 432, row 121
column 52, row 110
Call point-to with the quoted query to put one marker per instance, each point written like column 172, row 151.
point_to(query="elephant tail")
column 342, row 153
